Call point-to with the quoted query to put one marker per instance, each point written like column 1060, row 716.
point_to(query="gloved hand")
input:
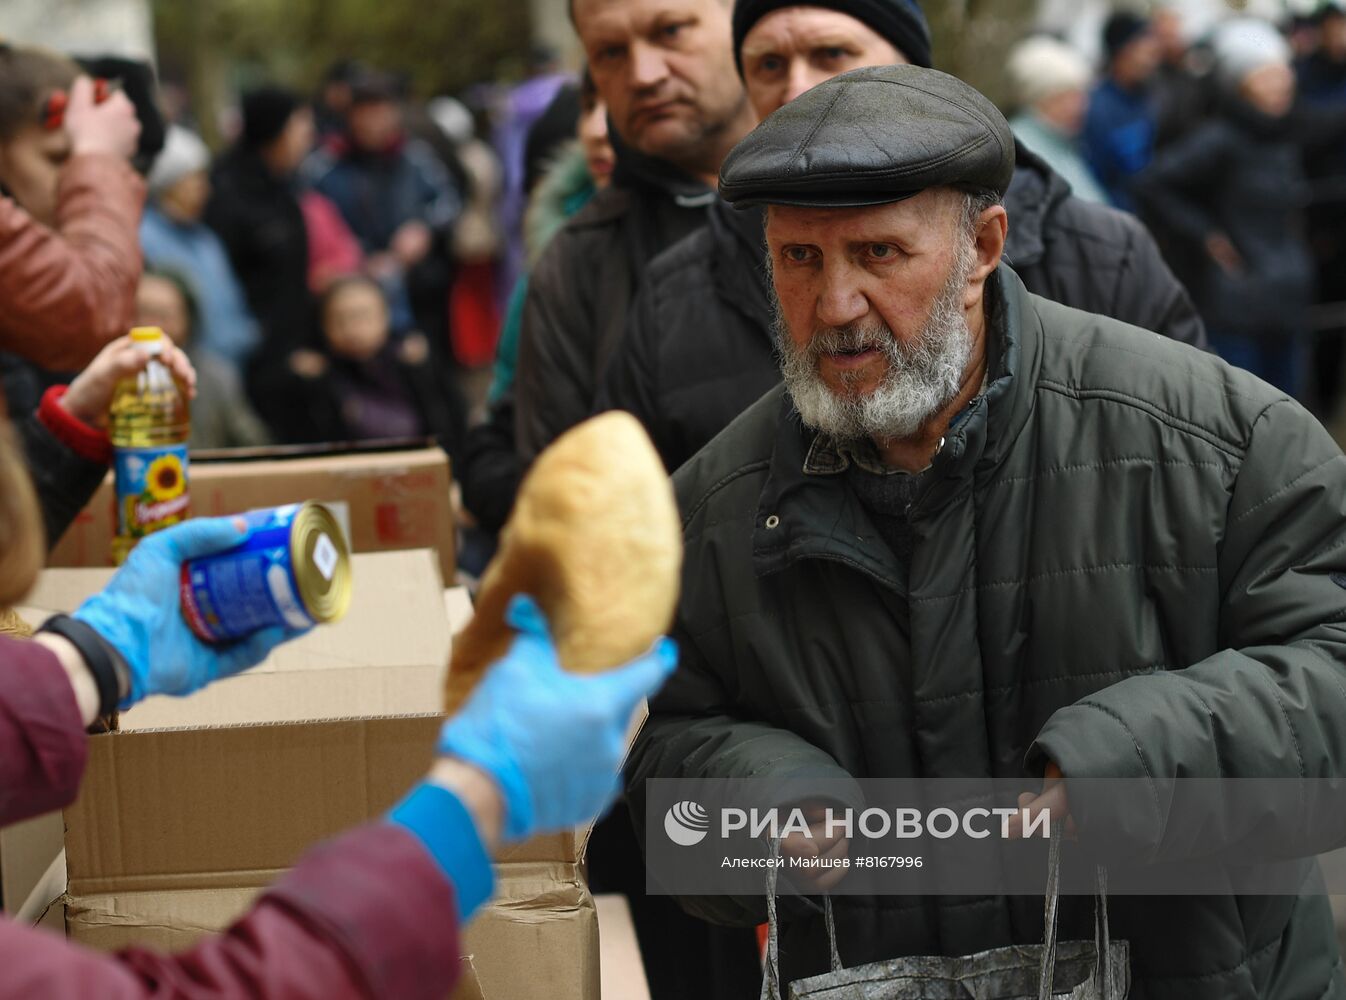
column 553, row 741
column 139, row 614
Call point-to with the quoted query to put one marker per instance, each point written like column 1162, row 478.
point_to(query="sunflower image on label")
column 151, row 489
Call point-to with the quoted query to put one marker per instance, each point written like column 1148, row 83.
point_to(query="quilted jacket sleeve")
column 631, row 380
column 1150, row 296
column 693, row 733
column 1272, row 702
column 554, row 383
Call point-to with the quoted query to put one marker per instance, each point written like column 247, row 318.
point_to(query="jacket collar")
column 738, row 241
column 637, row 171
column 803, row 516
column 1034, row 193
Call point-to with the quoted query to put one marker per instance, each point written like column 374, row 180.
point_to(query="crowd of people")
column 989, row 432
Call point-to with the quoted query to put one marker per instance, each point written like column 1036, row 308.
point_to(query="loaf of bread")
column 595, row 536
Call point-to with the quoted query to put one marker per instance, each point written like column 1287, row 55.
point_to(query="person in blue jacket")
column 1119, row 129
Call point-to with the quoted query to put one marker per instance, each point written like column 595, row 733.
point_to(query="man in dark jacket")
column 664, row 69
column 979, row 534
column 698, row 349
column 254, row 207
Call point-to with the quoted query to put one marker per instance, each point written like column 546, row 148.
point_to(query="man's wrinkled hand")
column 821, row 845
column 1052, row 799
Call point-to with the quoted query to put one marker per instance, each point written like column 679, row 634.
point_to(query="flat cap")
column 871, row 137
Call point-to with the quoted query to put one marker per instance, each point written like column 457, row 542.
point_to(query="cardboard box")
column 196, row 804
column 397, row 500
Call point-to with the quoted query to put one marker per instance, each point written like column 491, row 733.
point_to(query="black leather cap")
column 872, row 137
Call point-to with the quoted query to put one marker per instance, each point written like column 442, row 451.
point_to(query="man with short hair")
column 698, row 348
column 979, row 534
column 665, row 70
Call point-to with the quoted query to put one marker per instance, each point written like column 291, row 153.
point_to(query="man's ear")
column 992, row 229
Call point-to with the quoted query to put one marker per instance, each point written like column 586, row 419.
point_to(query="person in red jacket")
column 69, row 255
column 373, row 913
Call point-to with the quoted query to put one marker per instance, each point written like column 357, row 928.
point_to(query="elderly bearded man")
column 697, row 350
column 980, row 534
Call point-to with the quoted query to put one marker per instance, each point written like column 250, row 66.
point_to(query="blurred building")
column 551, row 28
column 82, row 27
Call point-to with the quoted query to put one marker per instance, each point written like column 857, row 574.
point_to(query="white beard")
column 923, row 377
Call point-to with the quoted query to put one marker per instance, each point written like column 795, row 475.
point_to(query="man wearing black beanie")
column 266, row 112
column 901, row 22
column 698, row 348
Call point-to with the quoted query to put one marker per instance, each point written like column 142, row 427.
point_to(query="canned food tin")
column 292, row 570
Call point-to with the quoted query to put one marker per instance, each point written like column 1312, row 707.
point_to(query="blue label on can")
column 250, row 587
column 151, row 488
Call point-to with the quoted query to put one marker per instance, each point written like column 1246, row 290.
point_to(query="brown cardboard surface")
column 397, row 500
column 468, row 988
column 246, row 801
column 395, row 626
column 26, row 851
column 193, row 806
column 385, row 659
column 541, row 918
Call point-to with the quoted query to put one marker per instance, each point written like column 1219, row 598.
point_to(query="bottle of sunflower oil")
column 148, row 423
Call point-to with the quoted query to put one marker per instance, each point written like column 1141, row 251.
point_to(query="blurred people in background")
column 478, row 240
column 334, row 97
column 333, row 250
column 221, row 414
column 520, row 109
column 254, row 209
column 491, row 468
column 399, row 202
column 174, row 236
column 571, row 172
column 1321, row 78
column 1182, row 93
column 1119, row 128
column 357, row 382
column 1051, row 83
column 1236, row 187
column 71, row 203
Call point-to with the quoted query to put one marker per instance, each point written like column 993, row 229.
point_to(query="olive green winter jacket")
column 1123, row 562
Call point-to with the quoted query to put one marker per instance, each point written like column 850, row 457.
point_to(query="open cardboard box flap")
column 196, row 804
column 396, row 499
column 386, row 657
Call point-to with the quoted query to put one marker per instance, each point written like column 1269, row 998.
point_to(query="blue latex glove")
column 139, row 613
column 553, row 741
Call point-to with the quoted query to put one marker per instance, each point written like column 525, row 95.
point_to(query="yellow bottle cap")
column 144, row 334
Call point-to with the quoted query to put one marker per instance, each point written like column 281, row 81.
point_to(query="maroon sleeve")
column 367, row 915
column 42, row 743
